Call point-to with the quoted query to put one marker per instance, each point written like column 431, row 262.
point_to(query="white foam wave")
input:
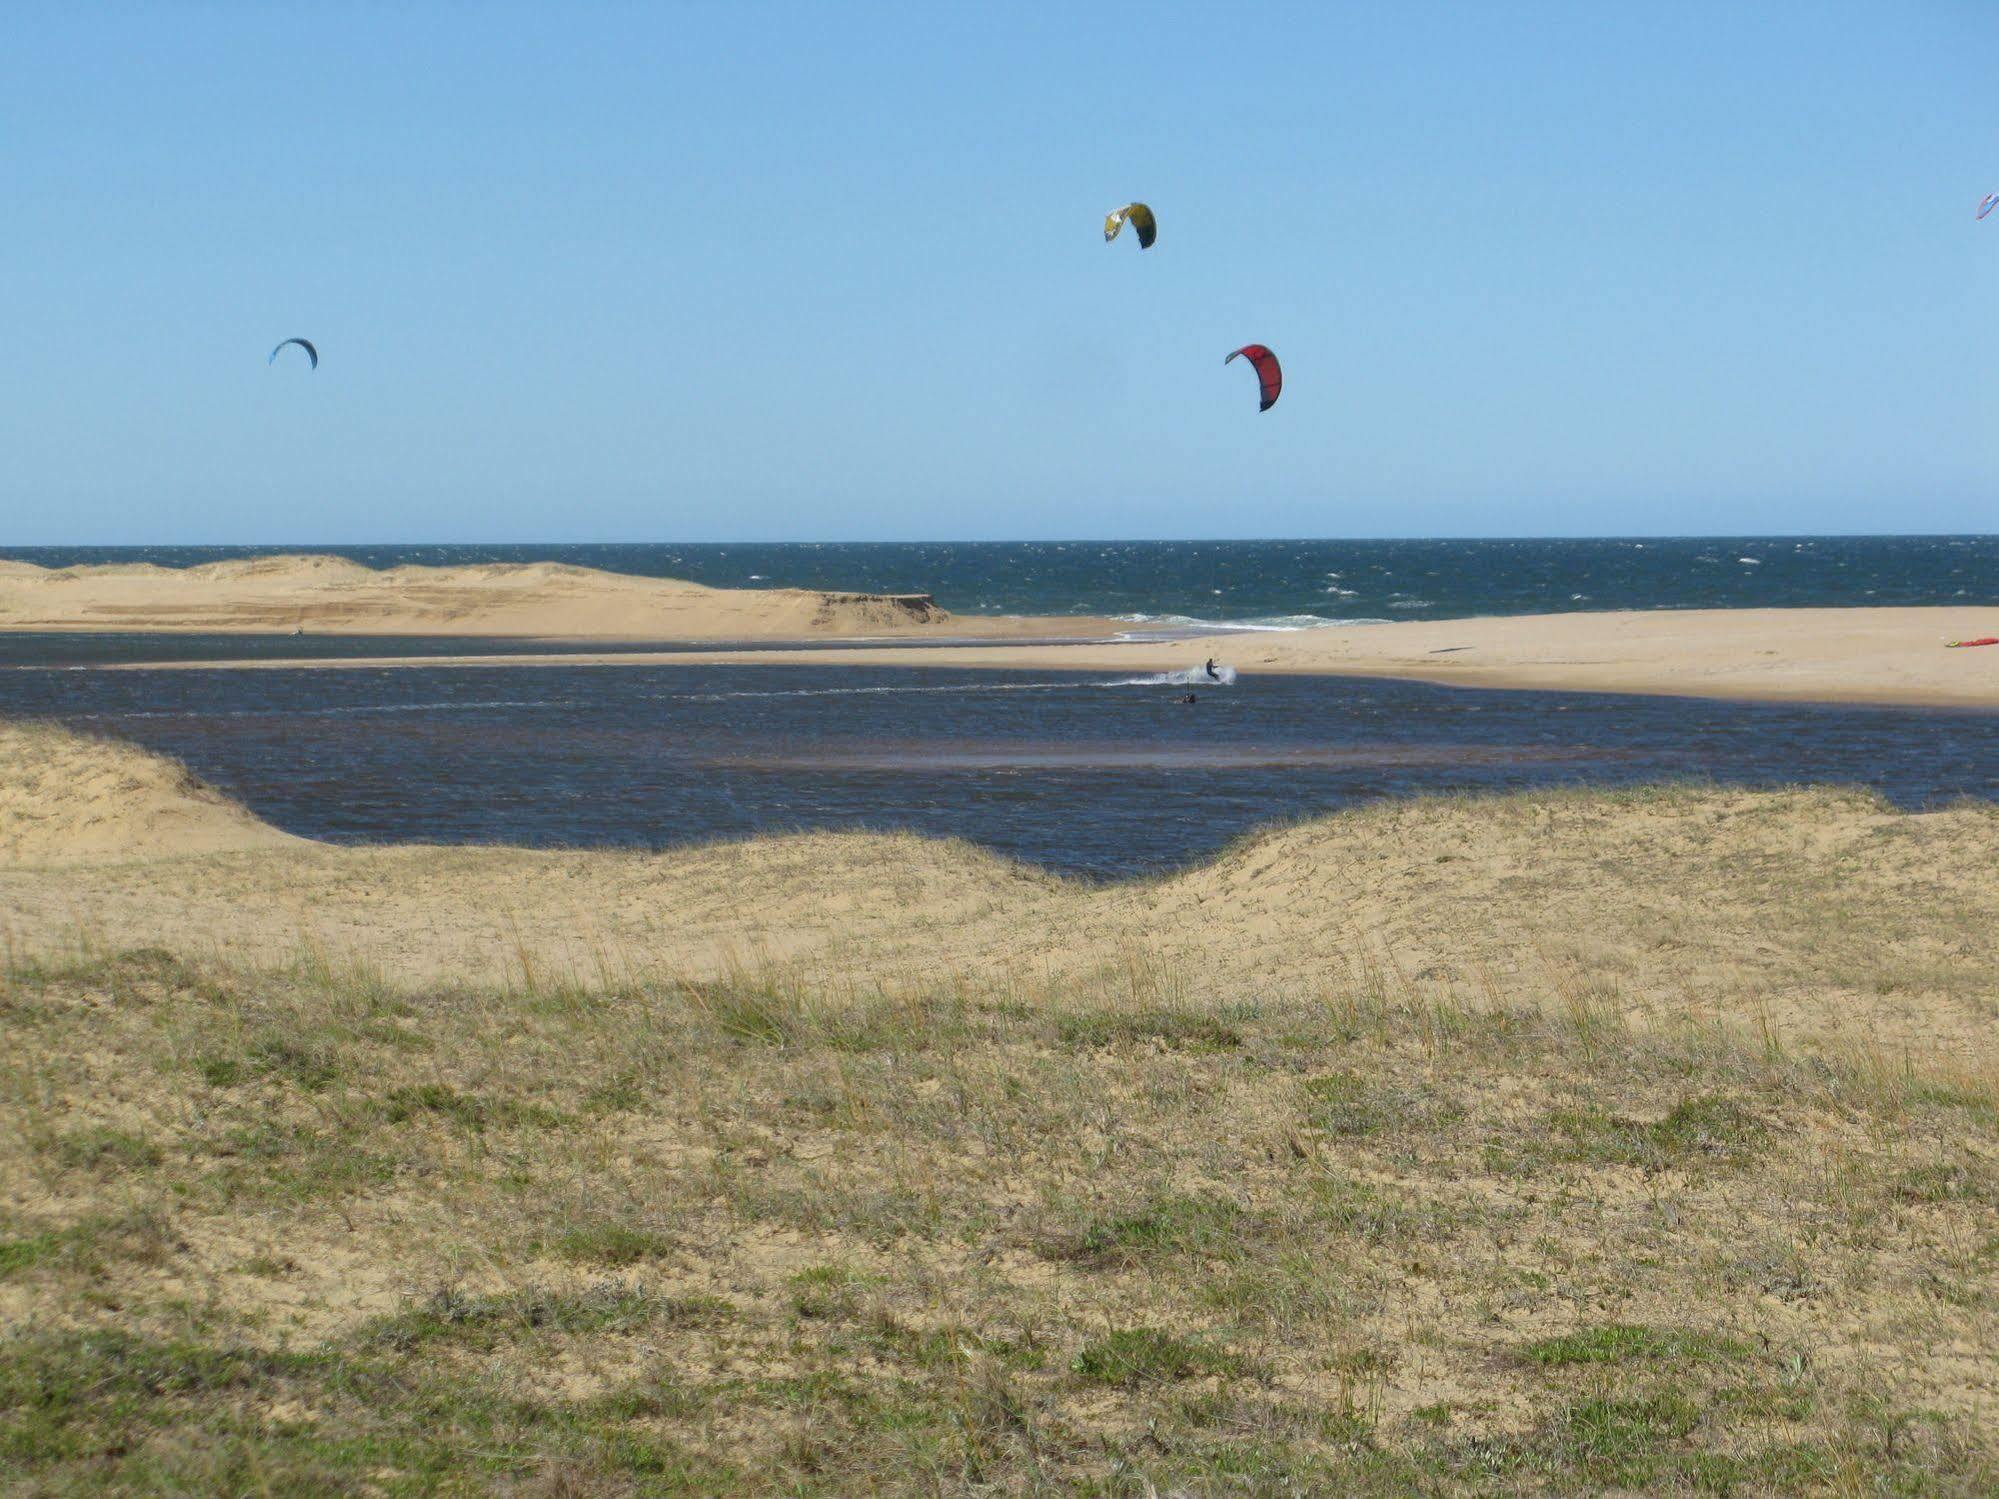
column 1193, row 676
column 1191, row 624
column 957, row 687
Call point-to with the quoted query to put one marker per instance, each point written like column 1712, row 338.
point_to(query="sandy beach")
column 1884, row 656
column 1876, row 655
column 1861, row 655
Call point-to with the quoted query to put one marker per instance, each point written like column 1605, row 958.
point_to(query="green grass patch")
column 30, row 1250
column 99, row 1147
column 1624, row 1440
column 1707, row 1128
column 1350, row 1106
column 1621, row 1342
column 294, row 1160
column 448, row 1315
column 1167, row 1225
column 1183, row 1030
column 109, row 1412
column 468, row 1110
column 819, row 1292
column 615, row 1244
column 307, row 1067
column 1952, row 1181
column 1139, row 1356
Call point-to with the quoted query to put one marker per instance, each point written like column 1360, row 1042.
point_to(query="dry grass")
column 300, row 1229
column 1823, row 916
column 1570, row 1142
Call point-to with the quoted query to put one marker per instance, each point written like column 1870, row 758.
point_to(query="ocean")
column 1086, row 773
column 1267, row 584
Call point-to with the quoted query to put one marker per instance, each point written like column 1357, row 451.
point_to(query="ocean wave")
column 1189, row 624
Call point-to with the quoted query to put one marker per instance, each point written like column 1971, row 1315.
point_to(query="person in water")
column 1213, row 675
column 1190, row 698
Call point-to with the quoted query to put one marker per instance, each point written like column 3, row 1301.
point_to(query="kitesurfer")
column 1213, row 675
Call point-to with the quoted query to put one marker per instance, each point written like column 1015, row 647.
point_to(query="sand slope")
column 331, row 595
column 64, row 797
column 1823, row 915
column 1888, row 655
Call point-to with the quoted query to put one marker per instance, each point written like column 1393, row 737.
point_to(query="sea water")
column 1100, row 773
column 1096, row 773
column 1261, row 584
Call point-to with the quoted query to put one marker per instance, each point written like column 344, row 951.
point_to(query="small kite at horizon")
column 1990, row 202
column 304, row 343
column 1269, row 375
column 1139, row 216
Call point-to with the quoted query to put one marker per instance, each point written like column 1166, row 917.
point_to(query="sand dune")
column 1823, row 915
column 64, row 797
column 332, row 595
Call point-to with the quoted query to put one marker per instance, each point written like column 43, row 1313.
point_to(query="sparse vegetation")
column 295, row 1231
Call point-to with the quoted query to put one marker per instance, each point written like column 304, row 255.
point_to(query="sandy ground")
column 331, row 595
column 844, row 1164
column 66, row 797
column 1797, row 655
column 1822, row 915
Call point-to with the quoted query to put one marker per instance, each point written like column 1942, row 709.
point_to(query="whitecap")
column 1189, row 624
column 1192, row 676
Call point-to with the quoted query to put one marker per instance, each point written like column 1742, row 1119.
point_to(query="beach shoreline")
column 1870, row 654
column 1886, row 656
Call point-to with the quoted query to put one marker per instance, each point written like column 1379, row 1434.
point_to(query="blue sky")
column 763, row 272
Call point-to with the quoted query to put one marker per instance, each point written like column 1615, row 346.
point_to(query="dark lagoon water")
column 1272, row 583
column 1078, row 772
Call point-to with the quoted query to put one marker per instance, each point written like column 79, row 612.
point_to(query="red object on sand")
column 1987, row 640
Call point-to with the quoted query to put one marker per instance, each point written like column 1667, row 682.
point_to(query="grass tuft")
column 1138, row 1356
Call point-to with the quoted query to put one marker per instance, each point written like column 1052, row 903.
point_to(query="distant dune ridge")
column 325, row 594
column 1879, row 655
column 1823, row 915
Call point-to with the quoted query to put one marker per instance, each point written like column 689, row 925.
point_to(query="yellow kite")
column 1141, row 220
